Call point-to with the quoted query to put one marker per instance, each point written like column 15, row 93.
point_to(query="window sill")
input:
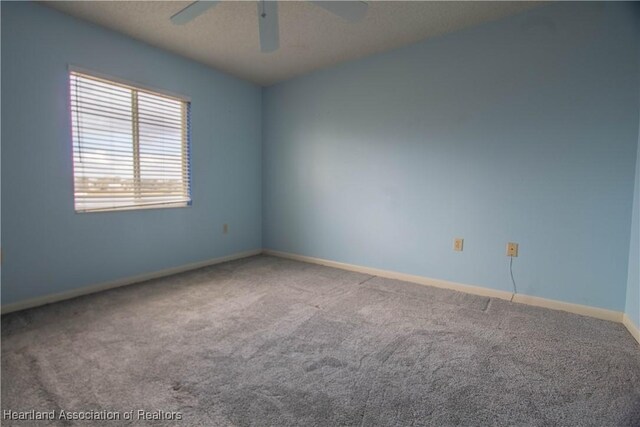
column 136, row 208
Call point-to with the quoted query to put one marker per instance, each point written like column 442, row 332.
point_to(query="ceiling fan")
column 352, row 11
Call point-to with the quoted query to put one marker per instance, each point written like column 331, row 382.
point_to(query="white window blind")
column 130, row 146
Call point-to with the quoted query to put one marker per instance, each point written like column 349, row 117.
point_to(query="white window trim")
column 141, row 88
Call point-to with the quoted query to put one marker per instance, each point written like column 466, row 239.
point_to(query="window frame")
column 128, row 84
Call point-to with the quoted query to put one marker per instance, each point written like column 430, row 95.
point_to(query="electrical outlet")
column 225, row 228
column 458, row 244
column 512, row 249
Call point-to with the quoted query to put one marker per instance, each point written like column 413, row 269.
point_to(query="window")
column 130, row 146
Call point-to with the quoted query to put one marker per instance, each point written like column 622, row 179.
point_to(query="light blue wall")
column 519, row 130
column 47, row 247
column 523, row 129
column 633, row 280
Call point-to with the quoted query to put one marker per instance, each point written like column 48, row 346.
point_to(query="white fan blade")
column 269, row 30
column 192, row 11
column 352, row 11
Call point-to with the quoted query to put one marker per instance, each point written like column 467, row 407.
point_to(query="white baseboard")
column 584, row 310
column 48, row 299
column 633, row 328
column 599, row 313
column 421, row 280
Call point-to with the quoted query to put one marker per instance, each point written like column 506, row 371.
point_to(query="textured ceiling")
column 226, row 36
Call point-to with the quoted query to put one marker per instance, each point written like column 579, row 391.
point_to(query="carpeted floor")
column 267, row 341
